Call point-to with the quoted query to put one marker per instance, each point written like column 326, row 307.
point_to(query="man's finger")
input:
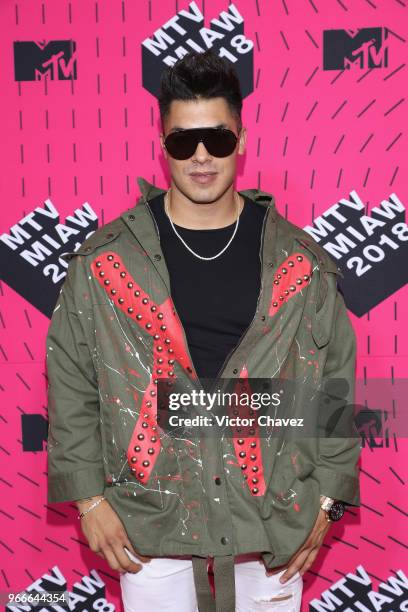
column 124, row 561
column 309, row 562
column 295, row 566
column 127, row 543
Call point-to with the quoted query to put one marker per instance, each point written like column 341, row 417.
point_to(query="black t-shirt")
column 215, row 300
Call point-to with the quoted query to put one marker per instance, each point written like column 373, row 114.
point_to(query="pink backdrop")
column 309, row 143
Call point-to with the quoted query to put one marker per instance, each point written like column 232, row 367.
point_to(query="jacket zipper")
column 232, row 351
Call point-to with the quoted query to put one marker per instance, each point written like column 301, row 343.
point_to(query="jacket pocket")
column 290, row 511
column 322, row 315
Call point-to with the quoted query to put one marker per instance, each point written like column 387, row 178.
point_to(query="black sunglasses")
column 219, row 142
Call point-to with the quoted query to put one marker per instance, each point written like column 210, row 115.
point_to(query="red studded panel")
column 162, row 323
column 290, row 278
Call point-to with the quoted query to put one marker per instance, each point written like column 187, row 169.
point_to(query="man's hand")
column 303, row 558
column 107, row 536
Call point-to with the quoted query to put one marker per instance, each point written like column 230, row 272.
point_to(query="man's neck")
column 196, row 215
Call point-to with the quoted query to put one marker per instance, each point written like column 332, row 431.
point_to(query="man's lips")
column 203, row 177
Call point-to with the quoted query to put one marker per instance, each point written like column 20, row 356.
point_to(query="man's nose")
column 201, row 154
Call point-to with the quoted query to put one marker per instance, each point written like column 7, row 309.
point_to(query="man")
column 199, row 281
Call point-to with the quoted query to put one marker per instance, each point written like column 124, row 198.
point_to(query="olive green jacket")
column 115, row 331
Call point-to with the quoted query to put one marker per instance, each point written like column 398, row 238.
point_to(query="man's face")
column 202, row 178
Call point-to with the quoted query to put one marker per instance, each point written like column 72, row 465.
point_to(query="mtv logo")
column 185, row 32
column 54, row 60
column 370, row 250
column 31, row 252
column 355, row 49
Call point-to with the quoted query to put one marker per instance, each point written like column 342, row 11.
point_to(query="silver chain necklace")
column 183, row 241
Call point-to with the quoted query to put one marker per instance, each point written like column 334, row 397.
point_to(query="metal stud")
column 253, row 457
column 279, row 276
column 133, row 459
column 113, row 291
column 153, row 308
column 106, row 282
column 306, row 277
column 167, row 341
column 299, row 281
column 290, row 263
column 144, row 424
column 138, row 317
column 275, row 304
column 152, row 393
column 255, row 490
column 159, row 348
column 140, row 436
column 171, row 373
column 130, row 285
column 150, row 451
column 110, row 257
column 171, row 361
column 253, row 444
column 121, row 300
column 130, row 310
column 160, row 371
column 292, row 288
column 148, row 325
column 116, row 265
column 153, row 439
column 160, row 315
column 146, row 463
column 149, row 403
column 160, row 360
column 244, row 466
column 145, row 301
column 299, row 258
column 137, row 293
column 242, row 454
column 137, row 449
column 255, row 468
column 102, row 273
column 163, row 327
column 141, row 474
column 146, row 415
column 123, row 274
column 98, row 264
column 276, row 282
column 170, row 350
column 284, row 270
column 286, row 292
column 240, row 441
column 255, row 480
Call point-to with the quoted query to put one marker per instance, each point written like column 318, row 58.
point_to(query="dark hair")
column 200, row 75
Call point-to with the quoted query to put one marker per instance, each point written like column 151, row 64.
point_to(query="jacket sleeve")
column 337, row 471
column 75, row 464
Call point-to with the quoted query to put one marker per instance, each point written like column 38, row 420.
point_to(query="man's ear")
column 242, row 141
column 162, row 144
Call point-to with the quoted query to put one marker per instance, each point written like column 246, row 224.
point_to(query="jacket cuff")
column 76, row 485
column 337, row 485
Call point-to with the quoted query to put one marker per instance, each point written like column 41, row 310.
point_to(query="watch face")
column 336, row 511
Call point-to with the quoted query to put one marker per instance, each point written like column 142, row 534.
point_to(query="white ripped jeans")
column 166, row 584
